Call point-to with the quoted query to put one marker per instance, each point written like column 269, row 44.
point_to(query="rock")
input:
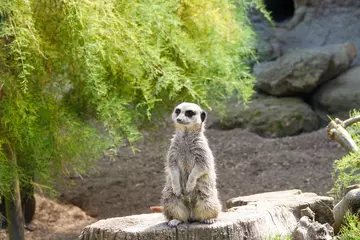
column 270, row 117
column 299, row 14
column 324, row 22
column 267, row 45
column 263, row 216
column 337, row 97
column 301, row 71
column 307, row 229
column 334, row 3
column 350, row 202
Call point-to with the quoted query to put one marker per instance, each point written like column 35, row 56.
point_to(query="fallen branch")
column 350, row 202
column 336, row 131
column 351, row 121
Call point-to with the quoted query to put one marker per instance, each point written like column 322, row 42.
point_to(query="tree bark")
column 255, row 217
column 14, row 212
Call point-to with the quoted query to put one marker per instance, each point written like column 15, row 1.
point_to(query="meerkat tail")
column 157, row 209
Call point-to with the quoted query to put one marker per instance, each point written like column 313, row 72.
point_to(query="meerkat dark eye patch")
column 203, row 116
column 177, row 111
column 189, row 113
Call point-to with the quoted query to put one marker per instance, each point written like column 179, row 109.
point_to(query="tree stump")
column 254, row 217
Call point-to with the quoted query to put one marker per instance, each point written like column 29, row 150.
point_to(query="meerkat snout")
column 180, row 120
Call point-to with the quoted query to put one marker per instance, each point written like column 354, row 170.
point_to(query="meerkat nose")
column 179, row 120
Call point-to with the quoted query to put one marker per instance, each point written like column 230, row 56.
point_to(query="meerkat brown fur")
column 190, row 192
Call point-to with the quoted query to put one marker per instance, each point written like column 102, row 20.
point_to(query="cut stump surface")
column 251, row 217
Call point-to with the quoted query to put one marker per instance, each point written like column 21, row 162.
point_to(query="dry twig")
column 336, row 131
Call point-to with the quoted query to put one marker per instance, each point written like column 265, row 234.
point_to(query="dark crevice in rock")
column 280, row 10
column 307, row 97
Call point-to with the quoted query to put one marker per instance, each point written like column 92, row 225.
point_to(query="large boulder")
column 301, row 71
column 333, row 3
column 267, row 45
column 323, row 23
column 270, row 117
column 337, row 97
column 257, row 217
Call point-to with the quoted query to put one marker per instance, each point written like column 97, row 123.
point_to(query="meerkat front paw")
column 209, row 221
column 176, row 190
column 174, row 222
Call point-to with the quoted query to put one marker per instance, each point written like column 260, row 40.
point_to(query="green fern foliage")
column 279, row 237
column 351, row 228
column 79, row 76
column 347, row 168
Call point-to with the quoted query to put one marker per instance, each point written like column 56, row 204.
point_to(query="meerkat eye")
column 177, row 111
column 189, row 113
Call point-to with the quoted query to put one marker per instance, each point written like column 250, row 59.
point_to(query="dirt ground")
column 246, row 164
column 54, row 221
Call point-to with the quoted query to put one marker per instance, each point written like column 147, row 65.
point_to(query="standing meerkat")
column 190, row 192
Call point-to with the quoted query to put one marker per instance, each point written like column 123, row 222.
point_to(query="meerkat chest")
column 186, row 159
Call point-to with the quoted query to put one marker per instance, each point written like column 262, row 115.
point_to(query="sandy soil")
column 246, row 164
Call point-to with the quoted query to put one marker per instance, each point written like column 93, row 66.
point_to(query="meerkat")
column 190, row 193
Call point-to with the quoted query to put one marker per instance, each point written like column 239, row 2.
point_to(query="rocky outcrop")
column 299, row 57
column 255, row 217
column 332, row 3
column 267, row 45
column 301, row 71
column 324, row 22
column 270, row 117
column 337, row 97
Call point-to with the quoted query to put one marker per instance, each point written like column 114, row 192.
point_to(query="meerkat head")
column 189, row 116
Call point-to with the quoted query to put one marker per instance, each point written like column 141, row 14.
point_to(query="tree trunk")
column 255, row 217
column 14, row 212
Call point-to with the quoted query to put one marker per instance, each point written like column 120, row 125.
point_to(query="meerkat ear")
column 203, row 116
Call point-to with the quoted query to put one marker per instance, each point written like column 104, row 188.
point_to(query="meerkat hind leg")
column 178, row 213
column 175, row 211
column 207, row 211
